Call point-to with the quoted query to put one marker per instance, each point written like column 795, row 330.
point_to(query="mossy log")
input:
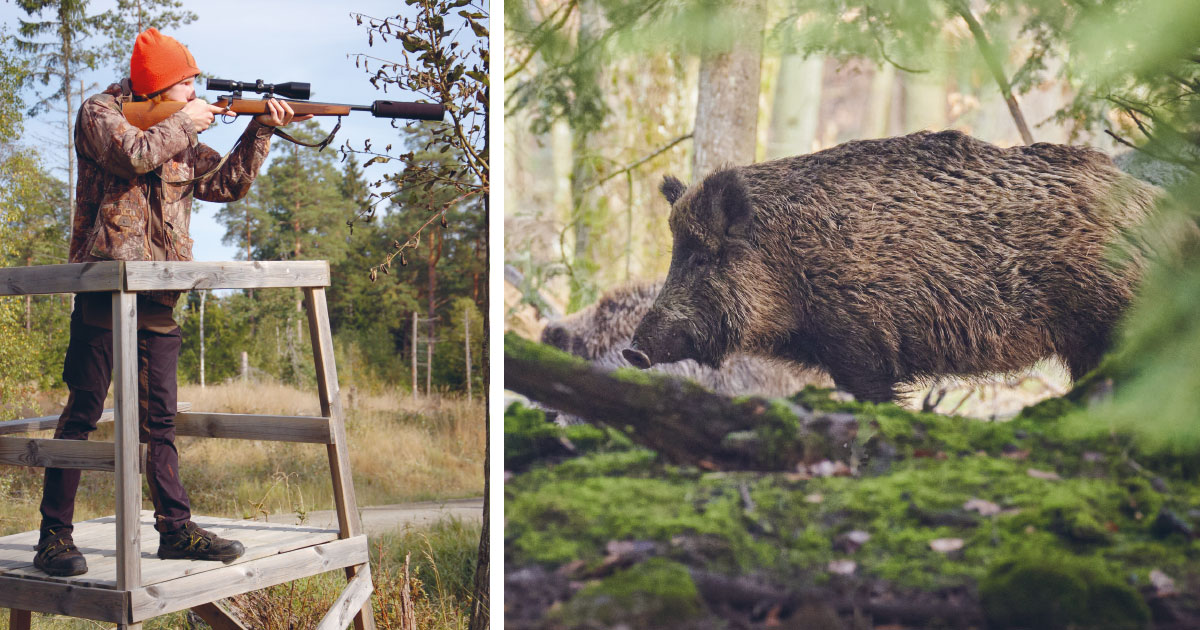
column 685, row 423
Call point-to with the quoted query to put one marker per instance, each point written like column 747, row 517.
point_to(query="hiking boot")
column 190, row 542
column 58, row 556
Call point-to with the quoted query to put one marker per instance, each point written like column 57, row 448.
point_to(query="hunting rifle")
column 146, row 114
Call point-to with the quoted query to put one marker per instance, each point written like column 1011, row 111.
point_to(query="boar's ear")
column 672, row 189
column 729, row 193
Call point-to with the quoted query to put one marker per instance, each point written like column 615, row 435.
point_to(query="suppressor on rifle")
column 400, row 109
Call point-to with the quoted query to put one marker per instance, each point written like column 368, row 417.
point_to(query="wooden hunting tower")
column 125, row 585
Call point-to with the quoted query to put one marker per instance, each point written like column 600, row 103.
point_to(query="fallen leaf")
column 1164, row 586
column 814, row 498
column 1043, row 474
column 843, row 567
column 946, row 545
column 986, row 508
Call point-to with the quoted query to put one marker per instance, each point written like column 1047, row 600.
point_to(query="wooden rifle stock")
column 146, row 114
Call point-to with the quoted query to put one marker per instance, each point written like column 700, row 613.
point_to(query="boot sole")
column 43, row 569
column 226, row 557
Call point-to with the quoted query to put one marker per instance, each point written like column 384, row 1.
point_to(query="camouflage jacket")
column 123, row 206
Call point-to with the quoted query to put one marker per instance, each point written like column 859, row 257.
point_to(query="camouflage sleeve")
column 233, row 181
column 104, row 136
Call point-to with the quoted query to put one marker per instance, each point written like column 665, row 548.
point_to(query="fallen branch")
column 682, row 421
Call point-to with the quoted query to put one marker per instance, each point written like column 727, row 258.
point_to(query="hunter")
column 133, row 202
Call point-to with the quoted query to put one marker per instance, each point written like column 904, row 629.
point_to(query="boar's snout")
column 557, row 335
column 636, row 358
column 658, row 341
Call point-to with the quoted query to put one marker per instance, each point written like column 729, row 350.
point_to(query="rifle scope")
column 291, row 89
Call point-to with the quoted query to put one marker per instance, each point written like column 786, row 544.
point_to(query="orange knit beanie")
column 159, row 62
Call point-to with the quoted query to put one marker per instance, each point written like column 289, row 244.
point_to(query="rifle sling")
column 320, row 146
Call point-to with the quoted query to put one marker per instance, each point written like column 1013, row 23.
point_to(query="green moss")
column 633, row 375
column 777, row 433
column 1048, row 590
column 657, row 593
column 517, row 347
column 525, row 434
column 1098, row 514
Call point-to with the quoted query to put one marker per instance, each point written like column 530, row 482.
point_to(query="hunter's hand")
column 201, row 113
column 279, row 114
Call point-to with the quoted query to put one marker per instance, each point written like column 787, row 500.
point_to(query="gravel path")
column 385, row 518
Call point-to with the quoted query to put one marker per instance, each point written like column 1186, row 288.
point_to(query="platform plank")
column 96, row 539
column 193, row 590
column 63, row 599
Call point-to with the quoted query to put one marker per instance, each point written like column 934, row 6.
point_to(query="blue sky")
column 273, row 40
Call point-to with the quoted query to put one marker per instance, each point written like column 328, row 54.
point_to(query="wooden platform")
column 275, row 553
column 126, row 584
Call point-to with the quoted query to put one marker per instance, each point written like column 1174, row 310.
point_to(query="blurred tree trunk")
column 879, row 105
column 727, row 102
column 797, row 107
column 925, row 99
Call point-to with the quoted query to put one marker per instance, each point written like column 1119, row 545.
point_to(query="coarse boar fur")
column 889, row 261
column 601, row 331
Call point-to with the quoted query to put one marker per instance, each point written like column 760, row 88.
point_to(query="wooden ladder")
column 127, row 599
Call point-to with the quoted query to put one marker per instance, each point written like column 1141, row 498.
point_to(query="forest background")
column 305, row 204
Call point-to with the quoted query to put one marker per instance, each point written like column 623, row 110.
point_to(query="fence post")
column 203, row 295
column 414, row 357
column 467, row 344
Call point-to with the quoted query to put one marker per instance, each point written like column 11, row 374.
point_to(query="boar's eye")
column 699, row 259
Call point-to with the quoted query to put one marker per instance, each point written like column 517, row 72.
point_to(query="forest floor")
column 930, row 521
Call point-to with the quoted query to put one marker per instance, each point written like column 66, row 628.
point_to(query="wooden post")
column 467, row 344
column 245, row 366
column 414, row 344
column 19, row 619
column 125, row 409
column 339, row 454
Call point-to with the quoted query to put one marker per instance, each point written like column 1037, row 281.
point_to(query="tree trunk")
column 68, row 79
column 797, row 107
column 727, row 101
column 879, row 107
column 435, row 254
column 480, row 602
column 467, row 348
column 414, row 358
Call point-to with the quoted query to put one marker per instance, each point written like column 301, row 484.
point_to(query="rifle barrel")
column 145, row 114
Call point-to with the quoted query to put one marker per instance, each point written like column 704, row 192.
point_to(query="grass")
column 401, row 450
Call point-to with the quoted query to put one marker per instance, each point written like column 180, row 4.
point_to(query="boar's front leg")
column 864, row 386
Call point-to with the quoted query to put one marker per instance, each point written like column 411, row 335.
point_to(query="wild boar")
column 889, row 261
column 602, row 330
